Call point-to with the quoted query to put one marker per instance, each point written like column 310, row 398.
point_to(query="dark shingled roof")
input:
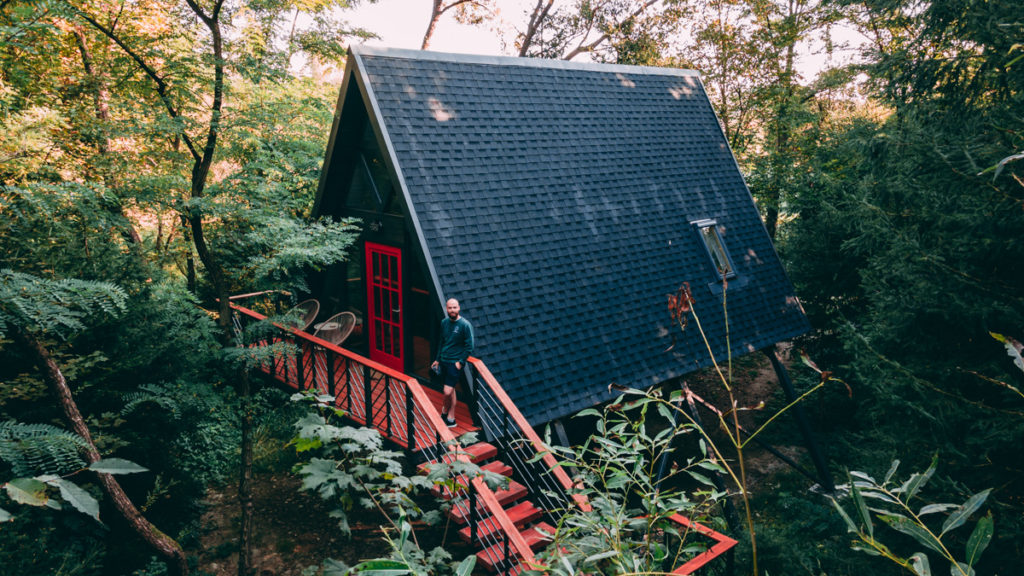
column 556, row 201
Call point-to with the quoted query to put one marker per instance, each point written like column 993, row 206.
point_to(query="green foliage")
column 354, row 469
column 201, row 437
column 894, row 503
column 164, row 337
column 34, row 449
column 98, row 173
column 348, row 466
column 905, row 247
column 408, row 559
column 154, row 568
column 68, row 229
column 628, row 528
column 116, row 466
column 56, row 307
column 39, row 455
column 40, row 542
column 620, row 31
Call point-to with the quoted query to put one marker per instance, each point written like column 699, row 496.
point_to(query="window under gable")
column 371, row 188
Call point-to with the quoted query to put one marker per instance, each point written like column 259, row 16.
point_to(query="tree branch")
column 537, row 17
column 161, row 85
column 582, row 48
column 435, row 15
column 101, row 97
column 162, row 543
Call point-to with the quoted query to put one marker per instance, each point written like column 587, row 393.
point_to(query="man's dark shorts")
column 449, row 374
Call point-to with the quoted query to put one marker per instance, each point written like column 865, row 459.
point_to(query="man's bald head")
column 452, row 306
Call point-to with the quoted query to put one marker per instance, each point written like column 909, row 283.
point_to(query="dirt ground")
column 293, row 530
column 755, row 385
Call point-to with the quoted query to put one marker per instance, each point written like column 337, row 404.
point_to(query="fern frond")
column 58, row 307
column 34, row 449
column 151, row 393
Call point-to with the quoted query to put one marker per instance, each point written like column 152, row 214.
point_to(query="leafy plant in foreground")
column 682, row 306
column 629, row 528
column 350, row 466
column 36, row 453
column 891, row 502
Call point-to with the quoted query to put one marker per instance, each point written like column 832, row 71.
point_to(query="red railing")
column 507, row 425
column 722, row 545
column 521, row 445
column 394, row 404
column 398, row 407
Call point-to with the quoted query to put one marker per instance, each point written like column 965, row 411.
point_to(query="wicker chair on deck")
column 336, row 328
column 304, row 313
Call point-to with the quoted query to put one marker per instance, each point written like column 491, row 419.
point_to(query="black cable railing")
column 515, row 450
column 519, row 446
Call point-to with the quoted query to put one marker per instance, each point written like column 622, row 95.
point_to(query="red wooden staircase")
column 483, row 530
column 507, row 524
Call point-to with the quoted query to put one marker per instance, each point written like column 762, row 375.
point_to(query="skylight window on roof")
column 712, row 239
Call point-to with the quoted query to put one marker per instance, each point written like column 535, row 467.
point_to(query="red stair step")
column 460, row 511
column 492, row 557
column 514, row 491
column 496, row 467
column 477, row 453
column 521, row 514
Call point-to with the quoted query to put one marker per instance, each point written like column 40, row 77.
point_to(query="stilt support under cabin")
column 824, row 475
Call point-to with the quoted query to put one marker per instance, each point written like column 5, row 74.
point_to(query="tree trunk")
column 101, row 100
column 245, row 495
column 200, row 172
column 435, row 15
column 537, row 17
column 166, row 546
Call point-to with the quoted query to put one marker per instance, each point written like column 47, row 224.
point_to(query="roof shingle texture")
column 556, row 204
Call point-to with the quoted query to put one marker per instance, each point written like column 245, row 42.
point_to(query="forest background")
column 156, row 155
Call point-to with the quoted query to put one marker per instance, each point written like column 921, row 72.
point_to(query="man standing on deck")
column 455, row 347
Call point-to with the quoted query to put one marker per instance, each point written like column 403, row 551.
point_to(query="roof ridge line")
column 411, row 54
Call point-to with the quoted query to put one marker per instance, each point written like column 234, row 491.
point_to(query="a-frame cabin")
column 560, row 202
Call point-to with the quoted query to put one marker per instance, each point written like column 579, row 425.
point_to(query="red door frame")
column 384, row 305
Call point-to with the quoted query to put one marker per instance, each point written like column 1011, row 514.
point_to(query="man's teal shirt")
column 456, row 340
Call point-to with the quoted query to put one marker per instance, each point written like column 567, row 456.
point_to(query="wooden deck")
column 392, row 406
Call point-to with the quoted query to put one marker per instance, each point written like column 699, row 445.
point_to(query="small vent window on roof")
column 708, row 231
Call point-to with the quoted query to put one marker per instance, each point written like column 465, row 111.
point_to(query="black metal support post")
column 508, row 562
column 347, row 365
column 473, row 520
column 410, row 420
column 368, row 394
column 469, row 376
column 387, row 404
column 824, row 476
column 732, row 518
column 664, row 459
column 329, row 361
column 559, row 428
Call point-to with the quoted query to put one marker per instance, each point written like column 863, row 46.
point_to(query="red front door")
column 384, row 301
